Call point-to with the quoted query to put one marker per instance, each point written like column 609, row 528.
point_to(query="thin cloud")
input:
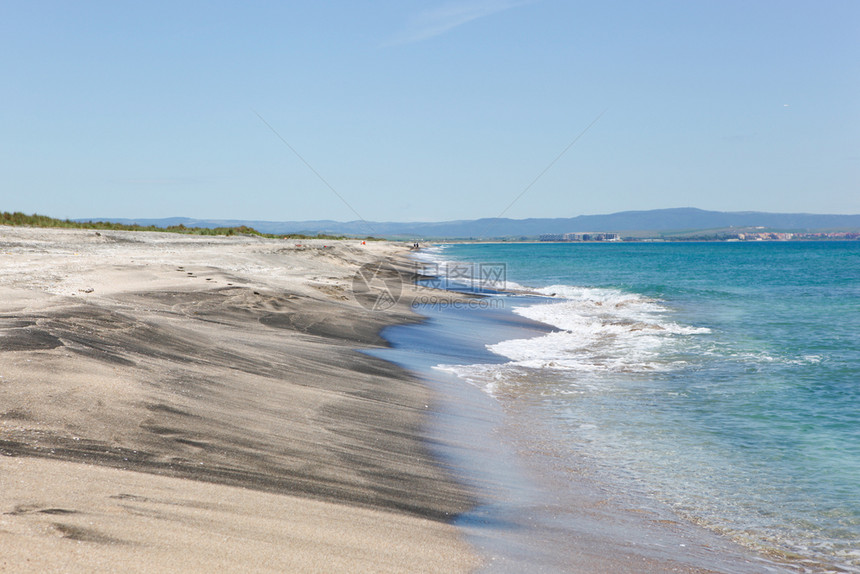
column 437, row 21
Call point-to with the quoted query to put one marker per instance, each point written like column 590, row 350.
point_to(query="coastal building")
column 584, row 236
column 764, row 236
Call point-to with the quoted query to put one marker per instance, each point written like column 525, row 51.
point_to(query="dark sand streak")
column 219, row 366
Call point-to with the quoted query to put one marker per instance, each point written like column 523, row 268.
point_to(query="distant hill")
column 629, row 222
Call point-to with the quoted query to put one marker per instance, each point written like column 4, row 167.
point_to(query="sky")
column 427, row 111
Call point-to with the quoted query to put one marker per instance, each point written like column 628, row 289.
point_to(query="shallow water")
column 539, row 507
column 721, row 379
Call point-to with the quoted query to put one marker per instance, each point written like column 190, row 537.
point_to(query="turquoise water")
column 721, row 378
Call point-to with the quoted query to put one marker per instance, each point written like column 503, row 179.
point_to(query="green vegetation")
column 35, row 220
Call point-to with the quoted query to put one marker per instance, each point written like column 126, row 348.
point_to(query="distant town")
column 702, row 236
column 580, row 237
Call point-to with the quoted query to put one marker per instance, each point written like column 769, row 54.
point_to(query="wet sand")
column 543, row 507
column 180, row 403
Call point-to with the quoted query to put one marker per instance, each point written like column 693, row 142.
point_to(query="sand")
column 183, row 403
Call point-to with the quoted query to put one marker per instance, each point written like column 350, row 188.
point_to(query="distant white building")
column 583, row 236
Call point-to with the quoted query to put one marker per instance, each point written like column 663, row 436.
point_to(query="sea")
column 721, row 379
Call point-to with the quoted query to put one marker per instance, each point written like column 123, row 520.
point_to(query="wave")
column 599, row 331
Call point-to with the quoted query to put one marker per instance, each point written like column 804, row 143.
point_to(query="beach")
column 184, row 403
column 542, row 507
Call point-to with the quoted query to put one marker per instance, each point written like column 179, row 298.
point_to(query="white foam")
column 485, row 377
column 429, row 253
column 600, row 330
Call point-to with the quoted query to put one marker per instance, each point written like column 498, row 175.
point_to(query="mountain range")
column 657, row 222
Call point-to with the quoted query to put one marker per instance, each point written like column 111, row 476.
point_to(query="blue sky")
column 428, row 110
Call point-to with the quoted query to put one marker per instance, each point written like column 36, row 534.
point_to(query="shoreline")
column 541, row 508
column 148, row 383
column 189, row 372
